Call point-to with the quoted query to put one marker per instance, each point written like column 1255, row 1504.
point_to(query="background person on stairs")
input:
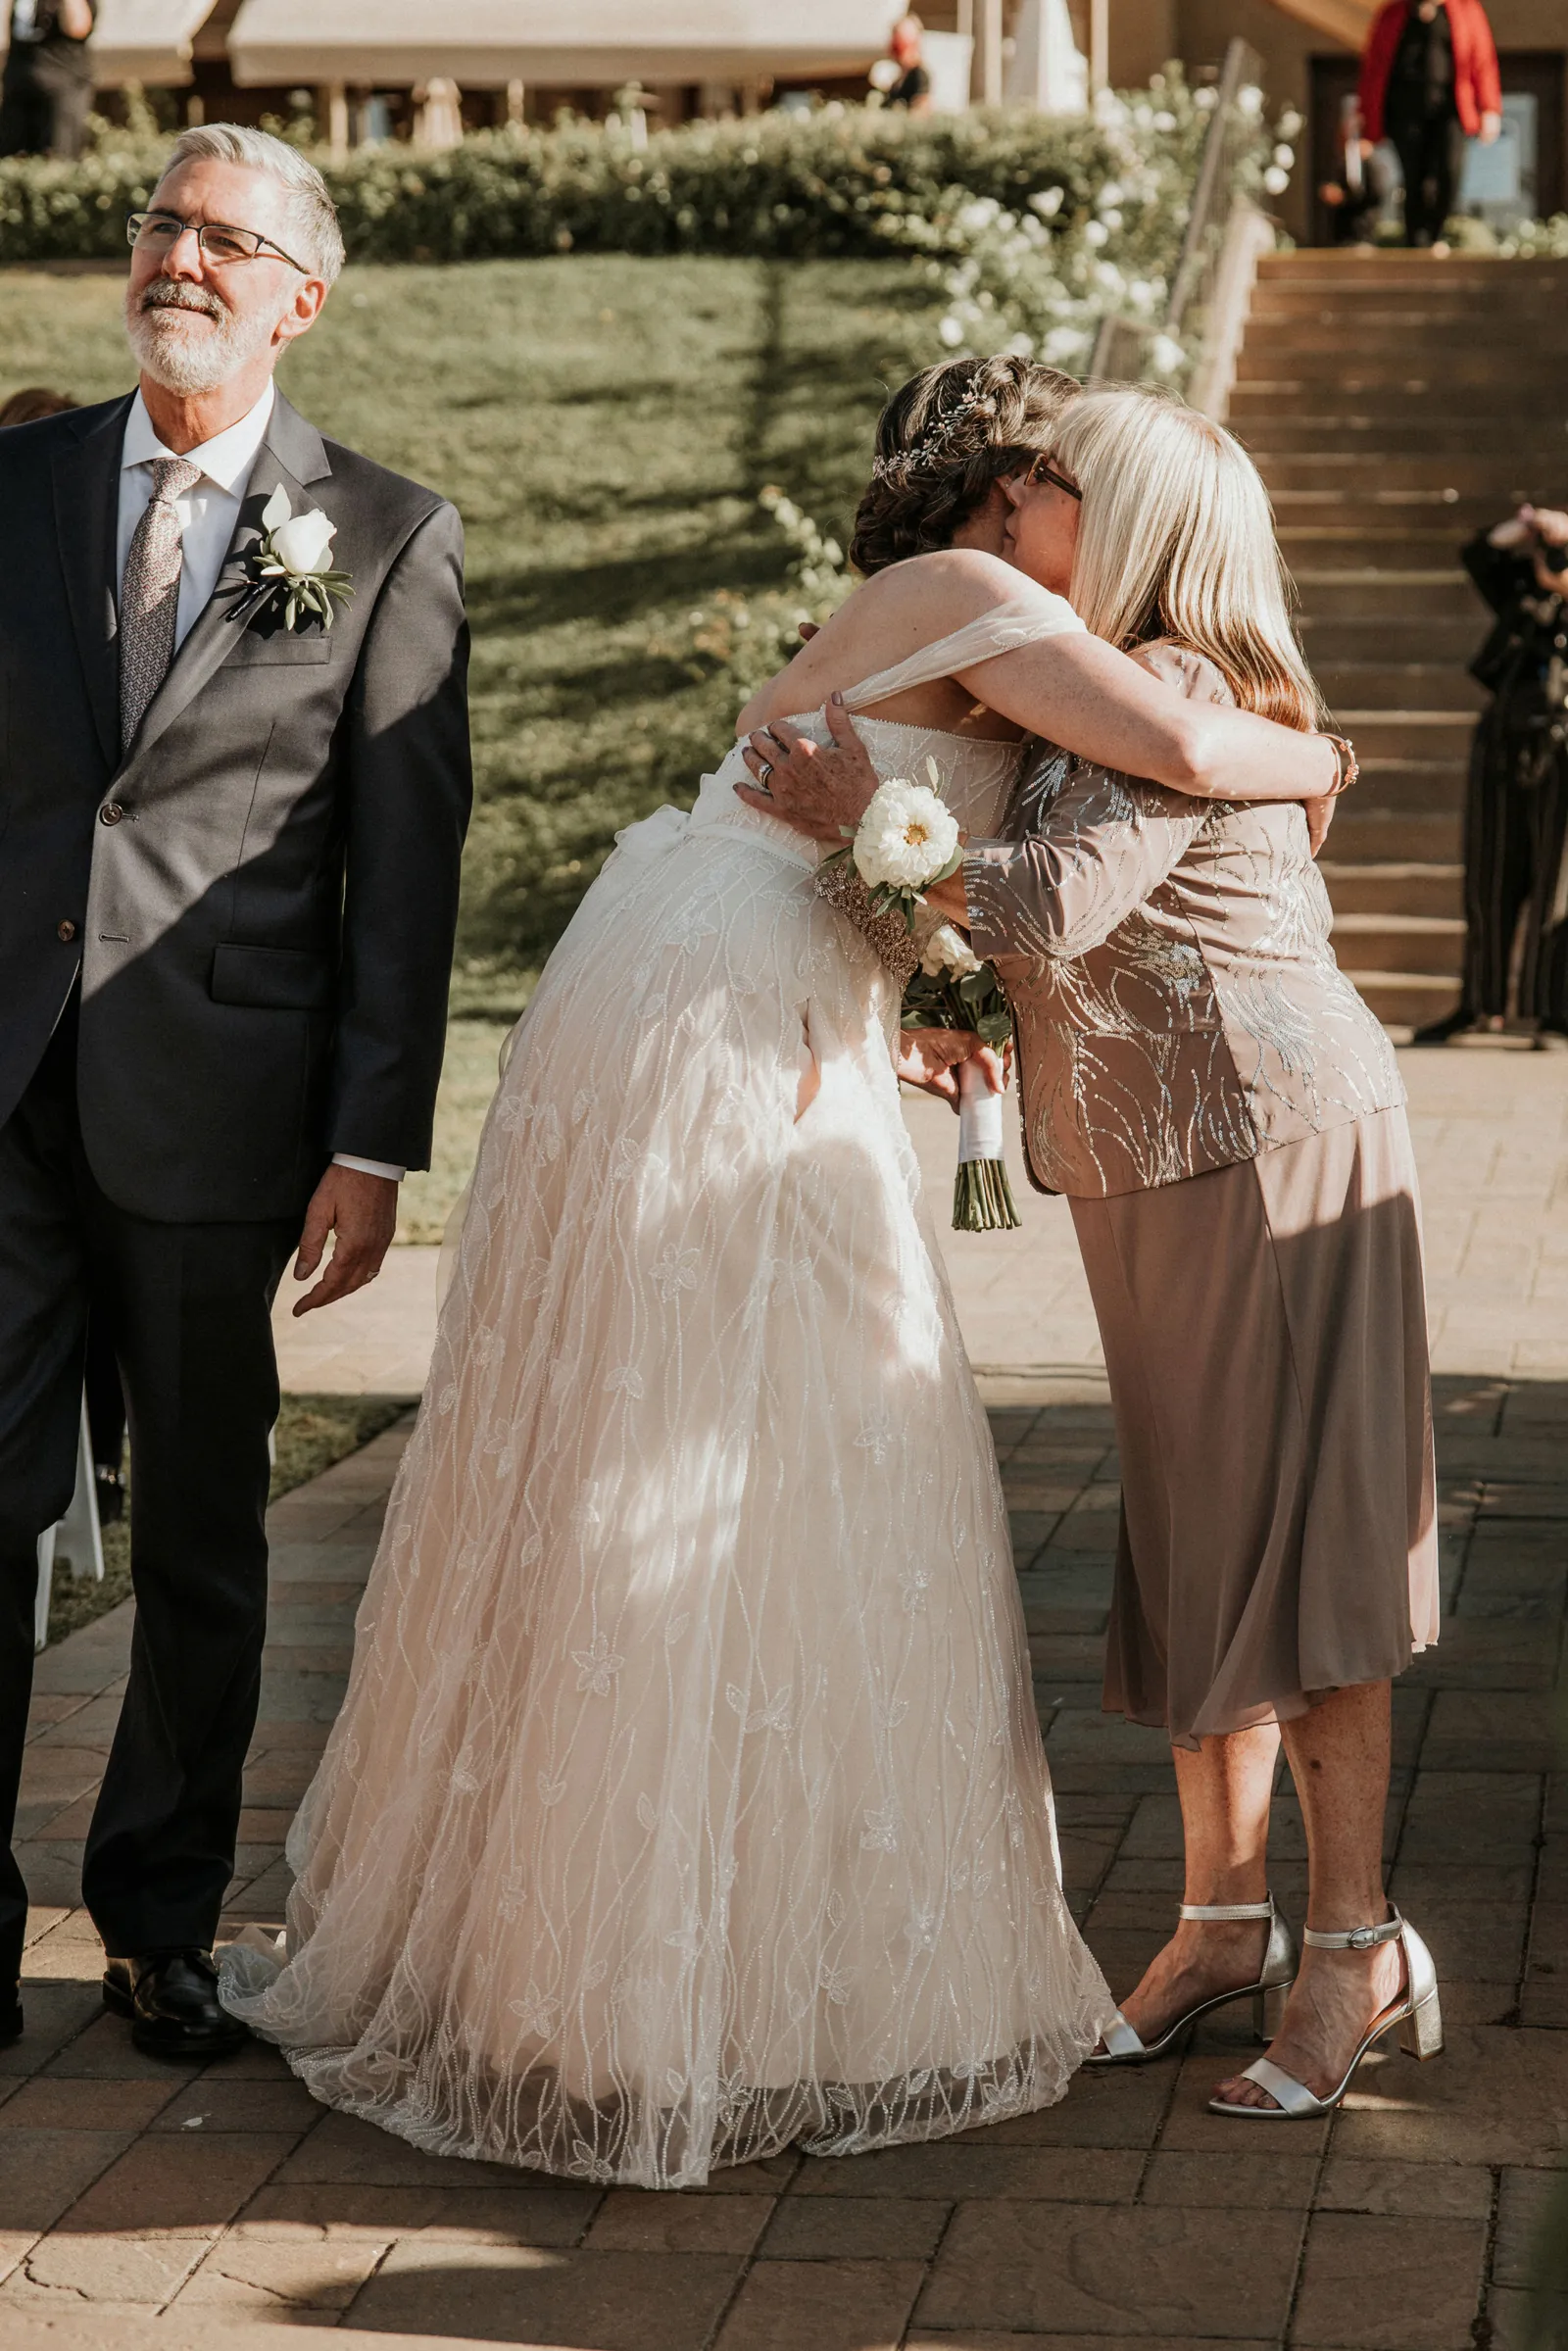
column 1429, row 82
column 48, row 78
column 1516, row 811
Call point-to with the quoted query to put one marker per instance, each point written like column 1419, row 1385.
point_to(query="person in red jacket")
column 1429, row 82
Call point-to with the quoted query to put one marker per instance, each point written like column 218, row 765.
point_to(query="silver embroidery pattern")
column 1178, row 1003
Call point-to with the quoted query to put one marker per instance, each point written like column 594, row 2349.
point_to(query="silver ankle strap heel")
column 1417, row 2017
column 1124, row 2047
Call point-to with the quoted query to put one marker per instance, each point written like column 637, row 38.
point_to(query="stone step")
column 1385, row 510
column 1392, row 737
column 1440, row 436
column 1397, row 265
column 1405, row 787
column 1505, row 473
column 1399, row 686
column 1359, row 361
column 1330, row 642
column 1364, row 836
column 1418, row 942
column 1403, row 999
column 1418, row 338
column 1489, row 405
column 1371, row 593
column 1429, row 892
column 1402, row 324
column 1342, row 547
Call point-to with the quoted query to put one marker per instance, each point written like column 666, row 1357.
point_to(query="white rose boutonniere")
column 295, row 561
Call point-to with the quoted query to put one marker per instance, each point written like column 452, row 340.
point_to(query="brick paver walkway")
column 140, row 2205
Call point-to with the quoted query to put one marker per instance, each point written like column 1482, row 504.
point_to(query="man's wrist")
column 376, row 1168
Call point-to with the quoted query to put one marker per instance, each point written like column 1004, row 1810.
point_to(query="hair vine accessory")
column 934, row 442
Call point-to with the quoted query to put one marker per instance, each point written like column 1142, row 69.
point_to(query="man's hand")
column 363, row 1212
column 819, row 789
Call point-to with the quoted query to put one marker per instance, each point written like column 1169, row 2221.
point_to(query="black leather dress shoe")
column 10, row 2015
column 172, row 2000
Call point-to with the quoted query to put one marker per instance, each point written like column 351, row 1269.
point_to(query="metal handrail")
column 1122, row 343
column 1214, row 196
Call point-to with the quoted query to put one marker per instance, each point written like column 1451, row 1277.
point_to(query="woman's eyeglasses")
column 159, row 233
column 1040, row 470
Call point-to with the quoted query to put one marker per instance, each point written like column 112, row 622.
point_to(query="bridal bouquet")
column 954, row 990
column 906, row 842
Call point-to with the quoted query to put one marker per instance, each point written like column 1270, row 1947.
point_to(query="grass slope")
column 603, row 424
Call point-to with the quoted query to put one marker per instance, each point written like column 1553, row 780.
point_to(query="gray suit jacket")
column 261, row 898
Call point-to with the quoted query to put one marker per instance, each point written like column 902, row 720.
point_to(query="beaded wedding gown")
column 688, row 1799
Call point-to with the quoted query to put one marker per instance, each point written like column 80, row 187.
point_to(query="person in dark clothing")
column 1516, row 809
column 1429, row 82
column 912, row 89
column 1357, row 195
column 48, row 78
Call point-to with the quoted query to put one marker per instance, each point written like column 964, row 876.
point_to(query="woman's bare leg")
column 1224, row 1787
column 1338, row 1758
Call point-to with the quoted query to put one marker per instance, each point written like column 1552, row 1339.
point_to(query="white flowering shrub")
column 752, row 637
column 1038, row 278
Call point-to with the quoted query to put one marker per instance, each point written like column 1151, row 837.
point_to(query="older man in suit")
column 232, row 798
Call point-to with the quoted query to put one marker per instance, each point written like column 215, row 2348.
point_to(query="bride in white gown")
column 688, row 1798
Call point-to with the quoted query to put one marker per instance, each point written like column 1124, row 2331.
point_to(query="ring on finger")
column 765, row 772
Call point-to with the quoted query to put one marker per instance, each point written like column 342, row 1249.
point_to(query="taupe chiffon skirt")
column 1264, row 1329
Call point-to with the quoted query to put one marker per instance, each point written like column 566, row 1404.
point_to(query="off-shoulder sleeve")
column 1098, row 848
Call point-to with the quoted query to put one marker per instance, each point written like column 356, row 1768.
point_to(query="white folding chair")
column 77, row 1540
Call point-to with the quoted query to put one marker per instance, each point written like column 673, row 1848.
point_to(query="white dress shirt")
column 207, row 515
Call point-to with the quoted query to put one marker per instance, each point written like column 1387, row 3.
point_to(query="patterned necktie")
column 149, row 594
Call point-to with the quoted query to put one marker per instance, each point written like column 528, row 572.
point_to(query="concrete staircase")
column 1394, row 403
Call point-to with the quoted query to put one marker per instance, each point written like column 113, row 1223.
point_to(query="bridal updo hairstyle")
column 944, row 439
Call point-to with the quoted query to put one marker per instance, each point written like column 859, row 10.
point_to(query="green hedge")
column 814, row 187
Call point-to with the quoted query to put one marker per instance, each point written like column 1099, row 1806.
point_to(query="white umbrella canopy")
column 583, row 43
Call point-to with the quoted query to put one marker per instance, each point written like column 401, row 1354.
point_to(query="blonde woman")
column 687, row 1801
column 1227, row 1117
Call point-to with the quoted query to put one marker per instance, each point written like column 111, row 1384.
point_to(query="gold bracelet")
column 1346, row 766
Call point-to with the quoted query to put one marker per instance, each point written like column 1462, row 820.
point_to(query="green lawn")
column 605, row 424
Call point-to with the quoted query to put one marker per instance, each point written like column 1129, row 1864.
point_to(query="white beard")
column 190, row 352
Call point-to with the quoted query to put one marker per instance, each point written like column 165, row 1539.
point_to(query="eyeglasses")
column 1040, row 470
column 160, row 233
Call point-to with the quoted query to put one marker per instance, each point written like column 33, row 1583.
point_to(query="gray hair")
column 317, row 233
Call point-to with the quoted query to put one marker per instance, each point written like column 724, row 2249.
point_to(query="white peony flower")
column 947, row 954
column 304, row 544
column 906, row 836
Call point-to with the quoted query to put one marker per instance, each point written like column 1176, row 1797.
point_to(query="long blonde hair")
column 1176, row 540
